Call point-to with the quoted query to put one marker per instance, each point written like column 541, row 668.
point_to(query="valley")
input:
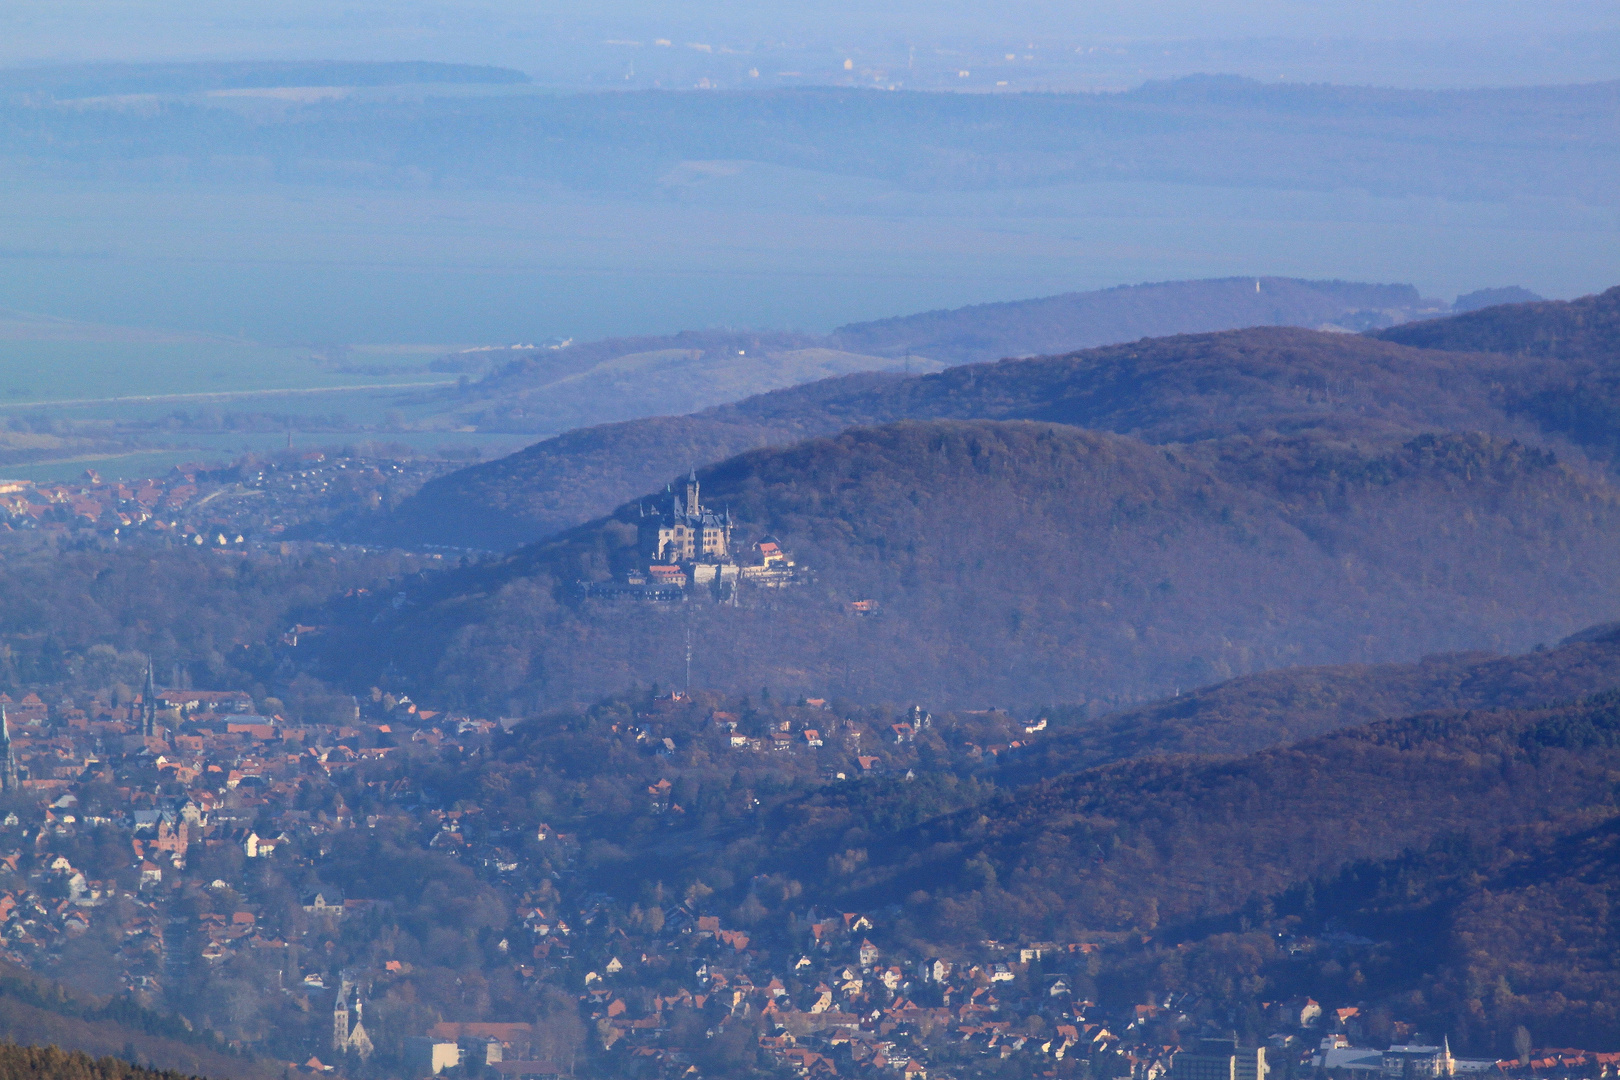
column 1038, row 715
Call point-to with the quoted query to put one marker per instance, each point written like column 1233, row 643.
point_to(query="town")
column 190, row 847
column 256, row 500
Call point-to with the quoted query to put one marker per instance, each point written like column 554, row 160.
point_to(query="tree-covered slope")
column 60, row 1027
column 1021, row 562
column 1252, row 712
column 1166, row 840
column 1176, row 389
column 1587, row 328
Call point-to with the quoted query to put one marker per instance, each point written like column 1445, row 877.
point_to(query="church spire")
column 8, row 769
column 149, row 703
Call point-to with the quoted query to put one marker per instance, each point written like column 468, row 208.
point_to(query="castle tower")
column 149, row 703
column 693, row 506
column 8, row 769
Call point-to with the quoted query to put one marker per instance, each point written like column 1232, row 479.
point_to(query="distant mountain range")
column 1056, row 324
column 551, row 388
column 1163, row 390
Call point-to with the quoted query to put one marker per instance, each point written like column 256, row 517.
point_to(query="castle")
column 683, row 545
column 685, row 530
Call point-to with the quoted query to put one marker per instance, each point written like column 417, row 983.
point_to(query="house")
column 868, row 953
column 325, row 901
column 812, row 737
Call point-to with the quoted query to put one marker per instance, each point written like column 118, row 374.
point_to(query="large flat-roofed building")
column 1219, row 1059
column 1420, row 1061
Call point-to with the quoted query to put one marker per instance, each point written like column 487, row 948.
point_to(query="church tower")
column 340, row 1021
column 8, row 769
column 359, row 1041
column 347, row 1038
column 149, row 704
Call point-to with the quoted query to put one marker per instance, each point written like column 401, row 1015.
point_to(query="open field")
column 91, row 365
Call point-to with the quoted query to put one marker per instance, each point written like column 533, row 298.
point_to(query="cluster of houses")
column 224, row 506
column 176, row 773
column 837, row 1006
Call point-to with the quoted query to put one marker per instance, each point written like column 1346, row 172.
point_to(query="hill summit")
column 1007, row 562
column 1161, row 390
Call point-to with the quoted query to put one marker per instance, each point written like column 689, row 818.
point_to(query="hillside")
column 1178, row 389
column 1455, row 868
column 1475, row 849
column 1188, row 838
column 552, row 389
column 1252, row 712
column 1588, row 328
column 1577, row 393
column 547, row 389
column 1021, row 562
column 58, row 1027
column 1080, row 320
column 53, row 1063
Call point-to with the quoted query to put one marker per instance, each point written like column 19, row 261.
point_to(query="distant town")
column 258, row 499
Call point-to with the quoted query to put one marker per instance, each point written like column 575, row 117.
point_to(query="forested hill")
column 62, row 1026
column 1588, row 328
column 1185, row 388
column 1476, row 851
column 1022, row 562
column 1252, row 712
column 1058, row 324
column 54, row 1063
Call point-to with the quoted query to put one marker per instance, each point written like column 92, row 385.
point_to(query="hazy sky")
column 1485, row 41
column 773, row 248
